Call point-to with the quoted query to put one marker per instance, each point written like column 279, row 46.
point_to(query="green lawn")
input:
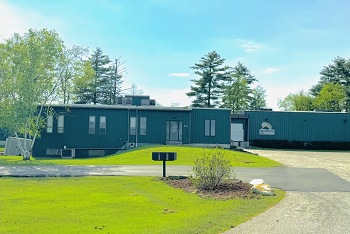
column 143, row 156
column 116, row 205
column 2, row 148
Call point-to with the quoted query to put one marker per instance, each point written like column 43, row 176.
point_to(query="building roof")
column 161, row 108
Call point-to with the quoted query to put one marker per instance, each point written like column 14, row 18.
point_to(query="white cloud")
column 270, row 70
column 14, row 19
column 179, row 74
column 252, row 47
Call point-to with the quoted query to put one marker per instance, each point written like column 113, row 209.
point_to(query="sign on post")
column 164, row 156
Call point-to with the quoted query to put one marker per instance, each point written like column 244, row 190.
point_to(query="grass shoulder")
column 143, row 156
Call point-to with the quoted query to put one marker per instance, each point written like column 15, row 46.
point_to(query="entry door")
column 174, row 130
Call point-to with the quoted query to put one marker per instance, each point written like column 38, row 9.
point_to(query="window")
column 145, row 102
column 127, row 101
column 96, row 153
column 49, row 124
column 102, row 125
column 53, row 152
column 209, row 128
column 60, row 124
column 132, row 125
column 92, row 120
column 143, row 121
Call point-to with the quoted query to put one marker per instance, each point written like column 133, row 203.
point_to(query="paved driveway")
column 306, row 212
column 286, row 178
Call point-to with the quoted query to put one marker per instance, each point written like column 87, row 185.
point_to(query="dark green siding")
column 136, row 101
column 223, row 126
column 76, row 128
column 300, row 126
column 76, row 131
column 2, row 135
column 156, row 125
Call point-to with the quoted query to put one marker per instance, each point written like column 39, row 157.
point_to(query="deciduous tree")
column 28, row 67
column 331, row 98
column 299, row 101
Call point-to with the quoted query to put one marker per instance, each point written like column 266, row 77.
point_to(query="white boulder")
column 257, row 181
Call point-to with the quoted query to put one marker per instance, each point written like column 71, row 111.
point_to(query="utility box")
column 164, row 156
column 67, row 153
column 11, row 147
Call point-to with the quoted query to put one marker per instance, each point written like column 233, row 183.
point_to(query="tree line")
column 331, row 93
column 37, row 69
column 220, row 85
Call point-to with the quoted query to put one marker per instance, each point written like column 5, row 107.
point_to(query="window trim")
column 60, row 129
column 145, row 127
column 105, row 128
column 210, row 126
column 90, row 133
column 132, row 129
column 49, row 124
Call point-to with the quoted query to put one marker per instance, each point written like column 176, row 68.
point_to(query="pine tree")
column 209, row 87
column 112, row 83
column 99, row 62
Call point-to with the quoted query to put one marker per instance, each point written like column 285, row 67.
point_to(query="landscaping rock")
column 263, row 189
column 257, row 181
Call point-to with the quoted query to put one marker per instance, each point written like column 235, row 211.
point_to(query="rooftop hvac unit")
column 127, row 101
column 145, row 102
column 152, row 102
column 120, row 100
column 11, row 147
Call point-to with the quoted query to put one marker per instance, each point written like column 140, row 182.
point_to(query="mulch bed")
column 232, row 190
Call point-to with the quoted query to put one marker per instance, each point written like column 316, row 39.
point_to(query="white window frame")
column 143, row 126
column 105, row 127
column 94, row 126
column 49, row 128
column 132, row 126
column 60, row 124
column 210, row 127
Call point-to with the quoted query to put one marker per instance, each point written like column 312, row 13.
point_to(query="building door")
column 174, row 131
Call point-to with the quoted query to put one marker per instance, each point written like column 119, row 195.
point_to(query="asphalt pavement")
column 286, row 178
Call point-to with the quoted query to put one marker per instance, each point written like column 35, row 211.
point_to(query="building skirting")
column 226, row 146
column 241, row 144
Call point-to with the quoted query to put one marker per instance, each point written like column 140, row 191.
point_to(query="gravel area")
column 305, row 212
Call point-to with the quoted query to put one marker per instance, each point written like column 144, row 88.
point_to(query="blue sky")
column 285, row 44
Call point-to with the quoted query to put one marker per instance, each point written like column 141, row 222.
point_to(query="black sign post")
column 164, row 156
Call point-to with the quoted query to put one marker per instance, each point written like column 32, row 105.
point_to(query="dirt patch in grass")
column 233, row 190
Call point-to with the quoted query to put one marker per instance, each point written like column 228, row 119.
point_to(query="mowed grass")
column 143, row 156
column 2, row 148
column 116, row 205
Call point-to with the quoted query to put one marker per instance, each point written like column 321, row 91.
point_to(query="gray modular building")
column 97, row 130
column 290, row 126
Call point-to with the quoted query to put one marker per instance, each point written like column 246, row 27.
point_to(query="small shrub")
column 211, row 170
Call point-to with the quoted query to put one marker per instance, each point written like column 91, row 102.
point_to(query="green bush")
column 211, row 170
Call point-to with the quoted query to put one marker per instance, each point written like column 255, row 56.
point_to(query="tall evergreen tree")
column 99, row 62
column 242, row 71
column 236, row 94
column 257, row 100
column 209, row 87
column 112, row 83
column 337, row 72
